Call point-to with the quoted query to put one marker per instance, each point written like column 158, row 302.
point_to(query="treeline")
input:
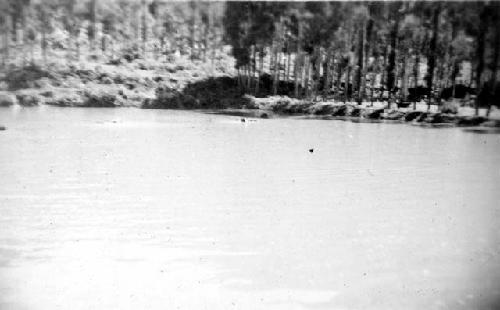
column 358, row 50
column 108, row 28
column 361, row 51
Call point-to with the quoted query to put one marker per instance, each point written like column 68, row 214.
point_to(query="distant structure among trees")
column 396, row 50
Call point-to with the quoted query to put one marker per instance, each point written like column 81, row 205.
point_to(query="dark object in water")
column 3, row 128
column 243, row 120
column 311, row 150
column 264, row 115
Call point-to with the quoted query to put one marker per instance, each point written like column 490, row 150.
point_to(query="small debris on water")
column 3, row 128
column 311, row 150
column 243, row 120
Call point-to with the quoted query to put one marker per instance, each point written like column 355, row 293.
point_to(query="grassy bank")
column 95, row 83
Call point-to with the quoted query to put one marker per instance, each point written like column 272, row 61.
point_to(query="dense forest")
column 401, row 51
column 112, row 28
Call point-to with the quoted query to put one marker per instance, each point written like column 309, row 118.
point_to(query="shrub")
column 375, row 114
column 356, row 112
column 25, row 77
column 342, row 110
column 471, row 121
column 28, row 99
column 324, row 109
column 450, row 107
column 7, row 99
column 99, row 99
column 65, row 99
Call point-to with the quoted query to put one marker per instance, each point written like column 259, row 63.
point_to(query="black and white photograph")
column 249, row 155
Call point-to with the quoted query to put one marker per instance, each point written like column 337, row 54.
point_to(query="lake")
column 160, row 209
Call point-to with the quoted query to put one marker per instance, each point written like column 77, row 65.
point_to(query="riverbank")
column 183, row 83
column 450, row 115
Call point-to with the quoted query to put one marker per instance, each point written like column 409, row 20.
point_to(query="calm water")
column 136, row 209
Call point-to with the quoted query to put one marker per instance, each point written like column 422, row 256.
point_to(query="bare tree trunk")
column 404, row 82
column 32, row 52
column 144, row 28
column 361, row 61
column 494, row 65
column 249, row 78
column 454, row 72
column 44, row 37
column 432, row 55
column 298, row 60
column 254, row 62
column 7, row 35
column 339, row 79
column 261, row 69
column 271, row 59
column 192, row 25
column 453, row 58
column 372, row 87
column 347, row 80
column 391, row 68
column 214, row 50
column 441, row 81
column 383, row 77
column 326, row 73
column 77, row 43
column 367, row 43
column 282, row 63
column 307, row 65
column 239, row 80
column 297, row 70
column 288, row 64
column 22, row 34
column 70, row 24
column 472, row 77
column 480, row 49
column 137, row 28
column 276, row 70
column 93, row 20
column 316, row 71
column 207, row 33
column 416, row 69
column 13, row 28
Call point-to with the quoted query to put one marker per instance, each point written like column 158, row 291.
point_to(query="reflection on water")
column 138, row 209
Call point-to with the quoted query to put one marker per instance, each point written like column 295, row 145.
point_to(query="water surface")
column 150, row 209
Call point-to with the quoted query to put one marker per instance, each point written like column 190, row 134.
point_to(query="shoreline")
column 330, row 111
column 191, row 85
